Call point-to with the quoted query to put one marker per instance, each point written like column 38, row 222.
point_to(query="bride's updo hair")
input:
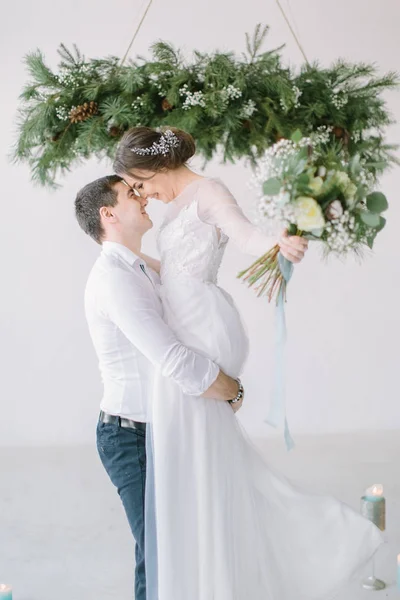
column 153, row 150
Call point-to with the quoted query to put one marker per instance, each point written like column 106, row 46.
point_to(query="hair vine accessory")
column 167, row 141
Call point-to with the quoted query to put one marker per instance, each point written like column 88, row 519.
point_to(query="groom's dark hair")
column 89, row 201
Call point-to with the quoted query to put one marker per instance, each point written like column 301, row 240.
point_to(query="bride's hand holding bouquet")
column 317, row 192
column 292, row 247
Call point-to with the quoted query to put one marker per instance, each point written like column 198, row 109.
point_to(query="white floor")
column 63, row 534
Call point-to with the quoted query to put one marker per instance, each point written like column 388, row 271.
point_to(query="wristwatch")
column 239, row 395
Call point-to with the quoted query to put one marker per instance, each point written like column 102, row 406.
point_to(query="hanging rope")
column 277, row 1
column 292, row 17
column 293, row 32
column 136, row 32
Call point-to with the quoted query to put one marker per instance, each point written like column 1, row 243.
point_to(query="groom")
column 124, row 314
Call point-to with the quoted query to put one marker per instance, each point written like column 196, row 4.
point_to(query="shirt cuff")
column 208, row 380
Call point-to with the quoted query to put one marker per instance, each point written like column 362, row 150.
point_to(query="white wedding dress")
column 228, row 526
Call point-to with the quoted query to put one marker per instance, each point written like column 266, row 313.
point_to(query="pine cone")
column 166, row 105
column 338, row 132
column 341, row 134
column 246, row 124
column 115, row 131
column 83, row 112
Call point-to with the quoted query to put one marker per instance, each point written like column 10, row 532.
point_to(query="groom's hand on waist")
column 224, row 388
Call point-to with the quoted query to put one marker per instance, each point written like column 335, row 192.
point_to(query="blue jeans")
column 123, row 454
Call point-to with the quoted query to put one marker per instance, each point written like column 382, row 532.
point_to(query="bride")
column 227, row 526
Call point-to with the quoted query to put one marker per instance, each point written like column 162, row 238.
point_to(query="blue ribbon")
column 150, row 524
column 277, row 412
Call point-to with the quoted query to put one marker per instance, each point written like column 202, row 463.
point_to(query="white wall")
column 343, row 319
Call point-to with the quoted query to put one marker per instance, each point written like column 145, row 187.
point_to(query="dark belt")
column 121, row 421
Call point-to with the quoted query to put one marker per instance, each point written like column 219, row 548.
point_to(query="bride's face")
column 150, row 185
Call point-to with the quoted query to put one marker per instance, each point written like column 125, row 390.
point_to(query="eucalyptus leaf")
column 355, row 164
column 317, row 232
column 303, row 153
column 296, row 136
column 284, row 199
column 377, row 202
column 303, row 179
column 300, row 166
column 272, row 186
column 370, row 219
column 382, row 223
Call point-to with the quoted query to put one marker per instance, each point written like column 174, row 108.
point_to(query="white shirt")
column 124, row 314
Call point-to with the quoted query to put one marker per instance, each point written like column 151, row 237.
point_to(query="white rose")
column 309, row 213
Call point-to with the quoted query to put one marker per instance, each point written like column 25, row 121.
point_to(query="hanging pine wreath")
column 238, row 105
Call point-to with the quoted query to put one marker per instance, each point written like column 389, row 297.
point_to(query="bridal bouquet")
column 310, row 186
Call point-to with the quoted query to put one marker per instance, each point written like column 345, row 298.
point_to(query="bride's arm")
column 218, row 207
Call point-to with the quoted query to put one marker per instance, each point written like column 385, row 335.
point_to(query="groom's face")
column 130, row 210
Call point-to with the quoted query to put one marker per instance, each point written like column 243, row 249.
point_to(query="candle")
column 5, row 592
column 373, row 506
column 398, row 571
column 374, row 493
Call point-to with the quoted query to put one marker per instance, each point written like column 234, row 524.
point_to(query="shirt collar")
column 122, row 251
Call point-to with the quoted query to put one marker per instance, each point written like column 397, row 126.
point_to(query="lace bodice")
column 196, row 229
column 189, row 247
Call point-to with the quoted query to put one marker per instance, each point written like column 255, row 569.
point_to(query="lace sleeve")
column 217, row 206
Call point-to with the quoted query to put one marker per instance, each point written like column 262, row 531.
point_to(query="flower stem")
column 266, row 275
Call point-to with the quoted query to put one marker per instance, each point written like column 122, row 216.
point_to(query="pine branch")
column 70, row 58
column 165, row 53
column 39, row 71
column 131, row 78
column 117, row 111
column 235, row 107
column 254, row 44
